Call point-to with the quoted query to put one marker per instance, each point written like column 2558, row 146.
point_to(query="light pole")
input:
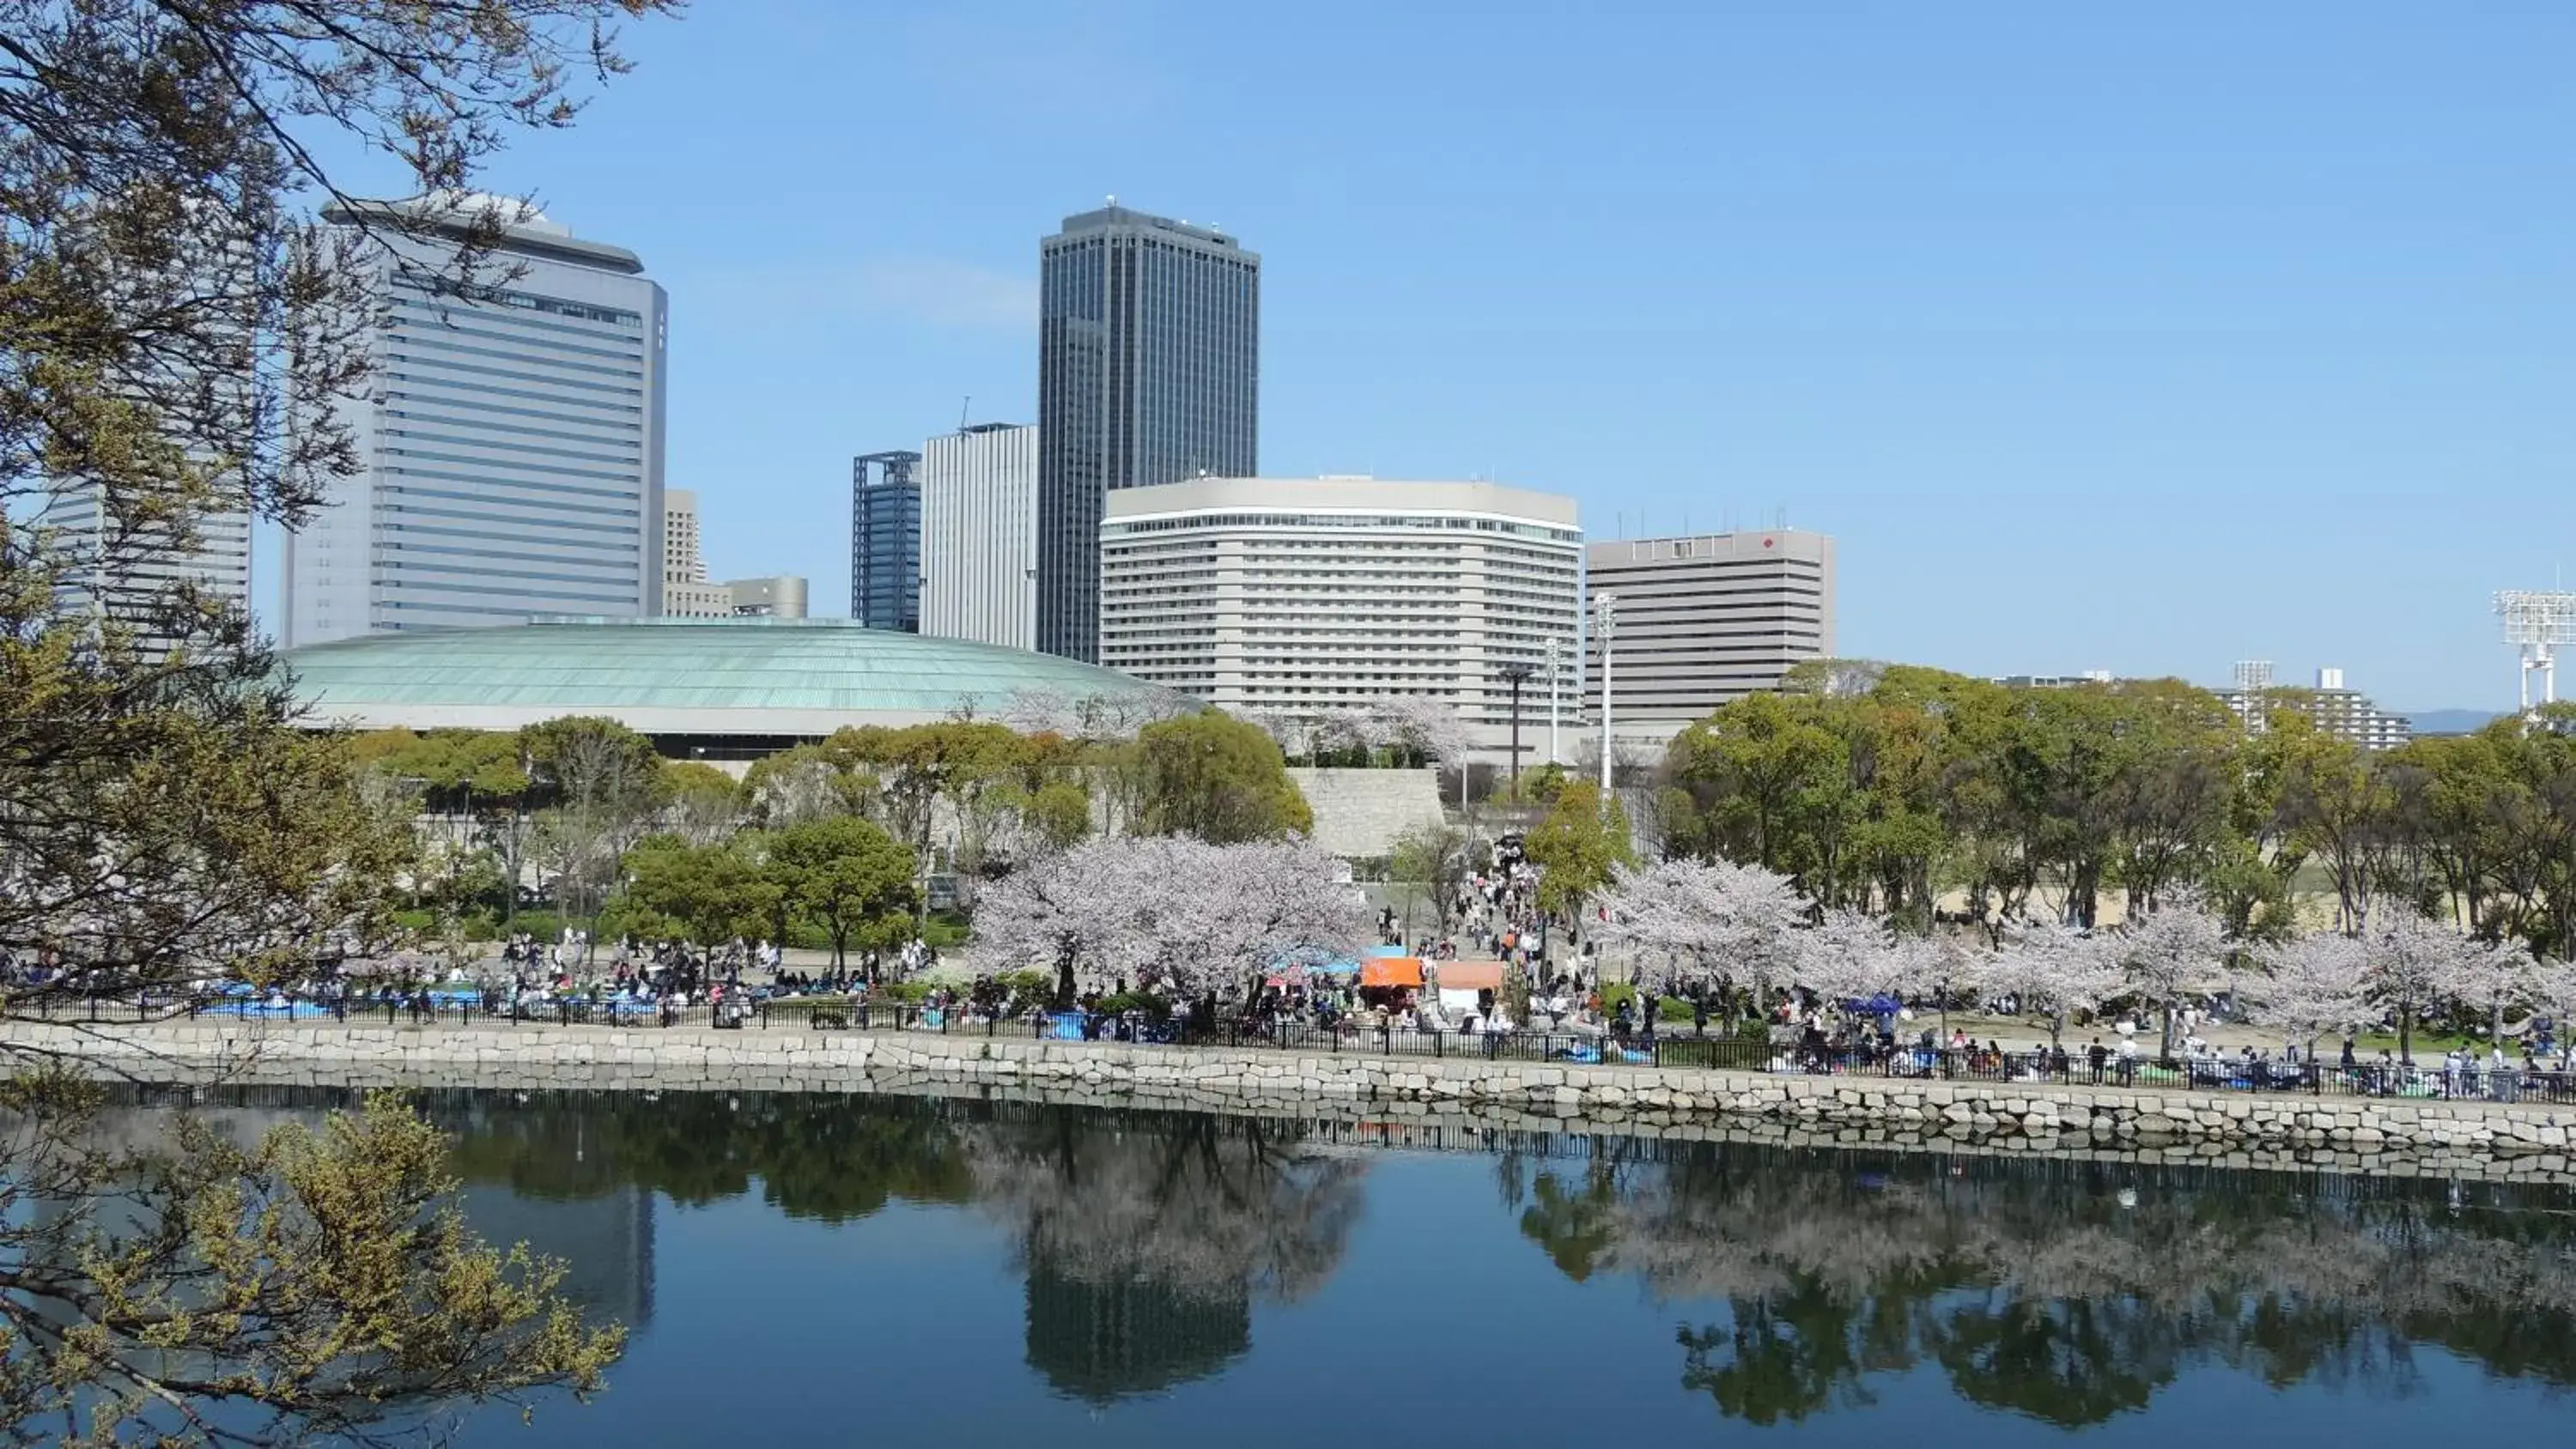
column 1605, row 622
column 1555, row 670
column 1518, row 672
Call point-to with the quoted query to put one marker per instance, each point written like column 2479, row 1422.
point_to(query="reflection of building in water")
column 605, row 1242
column 1114, row 1340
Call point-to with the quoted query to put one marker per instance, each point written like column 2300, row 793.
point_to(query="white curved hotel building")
column 1297, row 596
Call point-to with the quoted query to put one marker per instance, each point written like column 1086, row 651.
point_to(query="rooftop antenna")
column 962, row 410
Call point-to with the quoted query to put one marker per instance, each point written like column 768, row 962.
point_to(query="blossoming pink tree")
column 1169, row 914
column 2168, row 954
column 1713, row 923
column 2413, row 964
column 2312, row 986
column 2051, row 970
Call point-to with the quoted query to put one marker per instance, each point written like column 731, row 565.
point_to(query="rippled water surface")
column 811, row 1269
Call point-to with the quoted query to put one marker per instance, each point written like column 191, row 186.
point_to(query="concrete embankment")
column 2465, row 1138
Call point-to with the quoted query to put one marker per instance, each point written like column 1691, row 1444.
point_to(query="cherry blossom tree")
column 1168, row 914
column 2169, row 953
column 2413, row 964
column 2051, row 970
column 2493, row 979
column 1424, row 726
column 1850, row 955
column 1713, row 922
column 2311, row 986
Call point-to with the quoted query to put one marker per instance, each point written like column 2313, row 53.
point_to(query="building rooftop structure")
column 718, row 688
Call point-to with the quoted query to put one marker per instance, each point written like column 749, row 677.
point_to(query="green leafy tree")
column 1216, row 777
column 852, row 878
column 707, row 894
column 1432, row 858
column 1577, row 847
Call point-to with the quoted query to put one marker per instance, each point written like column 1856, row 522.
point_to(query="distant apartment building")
column 1300, row 596
column 1149, row 372
column 885, row 540
column 1703, row 620
column 2332, row 706
column 979, row 525
column 2056, row 681
column 511, row 439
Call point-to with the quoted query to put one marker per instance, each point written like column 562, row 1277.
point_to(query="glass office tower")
column 885, row 540
column 1149, row 343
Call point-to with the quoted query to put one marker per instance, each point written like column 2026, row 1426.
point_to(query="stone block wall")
column 2015, row 1116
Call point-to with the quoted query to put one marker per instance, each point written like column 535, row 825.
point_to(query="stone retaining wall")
column 2533, row 1140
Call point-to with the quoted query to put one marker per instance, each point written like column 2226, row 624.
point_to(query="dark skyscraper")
column 1149, row 347
column 885, row 541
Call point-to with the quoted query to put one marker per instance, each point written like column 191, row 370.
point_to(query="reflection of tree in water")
column 1147, row 1236
column 2032, row 1287
column 814, row 1156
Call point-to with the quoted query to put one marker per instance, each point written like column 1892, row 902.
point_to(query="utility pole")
column 1518, row 672
column 1605, row 622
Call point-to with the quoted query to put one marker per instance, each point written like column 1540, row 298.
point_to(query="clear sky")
column 2143, row 341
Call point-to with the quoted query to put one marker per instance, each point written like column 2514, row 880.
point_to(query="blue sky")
column 2144, row 341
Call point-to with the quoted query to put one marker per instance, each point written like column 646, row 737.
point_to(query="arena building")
column 715, row 689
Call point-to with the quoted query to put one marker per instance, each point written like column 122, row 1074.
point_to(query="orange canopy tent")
column 1391, row 971
column 1470, row 975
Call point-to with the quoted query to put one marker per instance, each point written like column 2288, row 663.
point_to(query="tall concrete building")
column 686, row 594
column 686, row 591
column 1301, row 596
column 1703, row 620
column 1149, row 347
column 885, row 540
column 512, row 442
column 124, row 574
column 979, row 535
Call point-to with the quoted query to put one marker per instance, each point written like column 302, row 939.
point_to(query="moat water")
column 832, row 1269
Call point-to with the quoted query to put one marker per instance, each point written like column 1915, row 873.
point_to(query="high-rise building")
column 885, row 540
column 686, row 594
column 1707, row 619
column 1299, row 597
column 1149, row 346
column 979, row 535
column 511, row 441
column 125, row 574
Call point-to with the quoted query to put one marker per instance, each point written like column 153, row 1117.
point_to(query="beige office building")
column 1299, row 596
column 1706, row 619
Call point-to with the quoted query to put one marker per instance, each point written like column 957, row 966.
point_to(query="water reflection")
column 1797, row 1283
column 2068, row 1292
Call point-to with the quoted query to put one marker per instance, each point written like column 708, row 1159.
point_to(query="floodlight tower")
column 2537, row 622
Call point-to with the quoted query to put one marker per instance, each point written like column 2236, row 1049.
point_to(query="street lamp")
column 1555, row 672
column 1518, row 672
column 1605, row 622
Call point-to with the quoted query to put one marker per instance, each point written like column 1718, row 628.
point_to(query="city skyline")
column 2146, row 342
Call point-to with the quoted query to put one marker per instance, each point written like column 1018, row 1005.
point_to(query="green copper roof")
column 747, row 676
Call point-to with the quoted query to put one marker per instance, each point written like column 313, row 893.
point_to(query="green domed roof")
column 749, row 676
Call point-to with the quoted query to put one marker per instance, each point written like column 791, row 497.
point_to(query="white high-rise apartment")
column 2334, row 707
column 1299, row 596
column 122, row 577
column 979, row 535
column 1707, row 619
column 512, row 445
